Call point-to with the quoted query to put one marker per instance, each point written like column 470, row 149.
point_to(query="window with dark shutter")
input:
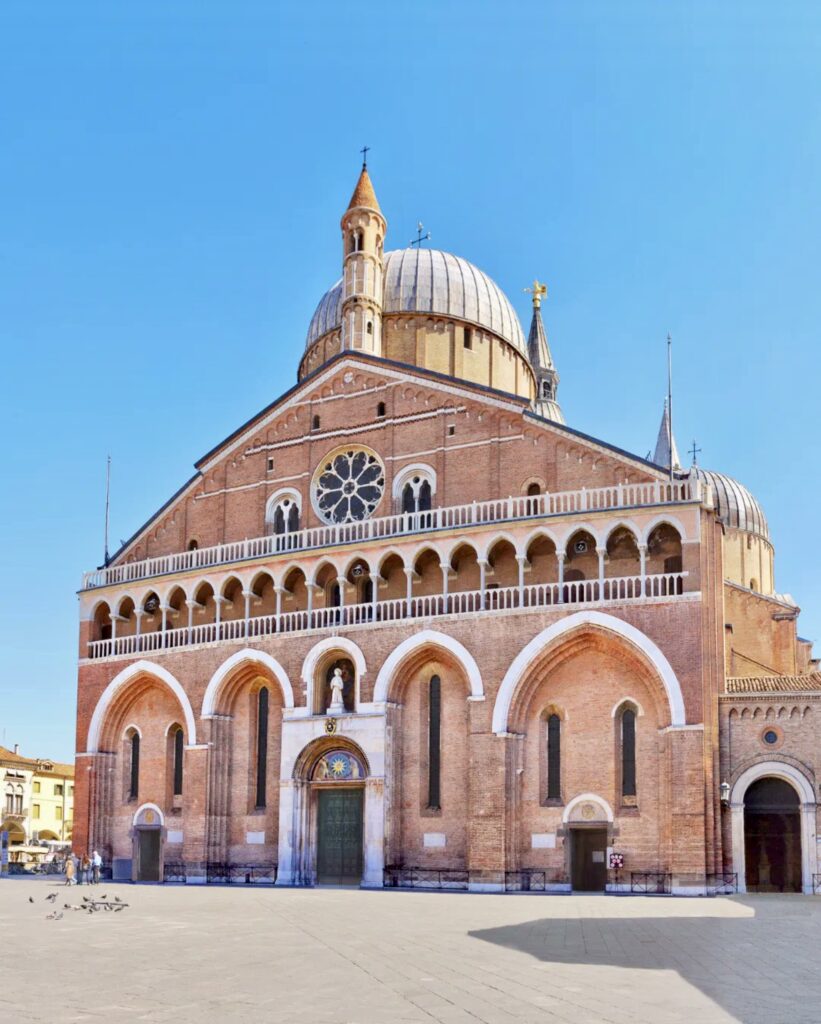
column 262, row 746
column 434, row 740
column 554, row 758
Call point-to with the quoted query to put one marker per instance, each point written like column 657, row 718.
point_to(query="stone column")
column 195, row 812
column 374, row 840
column 560, row 557
column 286, row 866
column 643, row 570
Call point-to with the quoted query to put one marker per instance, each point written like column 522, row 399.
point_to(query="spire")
column 666, row 443
column 363, row 194
column 541, row 361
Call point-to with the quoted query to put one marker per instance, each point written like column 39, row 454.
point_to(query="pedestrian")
column 96, row 867
column 85, row 868
column 69, row 870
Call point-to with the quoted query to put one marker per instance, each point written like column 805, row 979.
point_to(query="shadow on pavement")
column 760, row 967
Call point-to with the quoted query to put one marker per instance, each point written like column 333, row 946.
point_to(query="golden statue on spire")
column 538, row 291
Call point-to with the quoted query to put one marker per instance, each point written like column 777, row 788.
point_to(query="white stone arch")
column 406, row 473
column 165, row 592
column 541, row 531
column 319, row 650
column 592, row 798
column 274, row 499
column 281, row 575
column 133, row 727
column 624, row 701
column 572, row 529
column 628, row 524
column 516, row 543
column 404, row 555
column 91, row 610
column 209, row 701
column 122, row 680
column 432, row 638
column 351, row 560
column 241, row 578
column 117, row 602
column 261, row 570
column 319, row 564
column 212, row 582
column 148, row 807
column 807, row 810
column 521, row 663
column 471, row 542
column 658, row 520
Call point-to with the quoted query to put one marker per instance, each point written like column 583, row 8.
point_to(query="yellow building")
column 38, row 803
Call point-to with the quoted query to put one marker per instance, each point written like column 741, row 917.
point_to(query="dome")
column 431, row 281
column 736, row 507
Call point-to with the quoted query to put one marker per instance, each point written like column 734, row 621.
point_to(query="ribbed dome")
column 431, row 281
column 736, row 507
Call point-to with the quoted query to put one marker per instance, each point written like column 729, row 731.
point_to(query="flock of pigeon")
column 91, row 906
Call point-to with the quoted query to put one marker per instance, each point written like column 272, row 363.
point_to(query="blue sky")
column 171, row 181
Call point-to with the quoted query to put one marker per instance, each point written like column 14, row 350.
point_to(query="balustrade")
column 476, row 513
column 460, row 602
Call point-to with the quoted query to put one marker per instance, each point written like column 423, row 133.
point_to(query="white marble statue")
column 337, row 703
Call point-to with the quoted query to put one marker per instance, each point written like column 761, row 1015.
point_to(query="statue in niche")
column 339, row 694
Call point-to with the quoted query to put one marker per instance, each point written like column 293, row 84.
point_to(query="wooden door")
column 339, row 839
column 588, row 859
column 149, row 854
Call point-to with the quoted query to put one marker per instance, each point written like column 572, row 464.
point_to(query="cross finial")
column 364, row 152
column 694, row 452
column 538, row 291
column 420, row 237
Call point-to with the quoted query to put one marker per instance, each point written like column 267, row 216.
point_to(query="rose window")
column 349, row 486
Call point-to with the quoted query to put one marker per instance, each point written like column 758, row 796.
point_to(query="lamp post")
column 724, row 794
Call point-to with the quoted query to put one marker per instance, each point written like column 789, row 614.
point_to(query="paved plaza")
column 336, row 956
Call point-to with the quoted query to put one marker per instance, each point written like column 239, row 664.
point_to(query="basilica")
column 408, row 627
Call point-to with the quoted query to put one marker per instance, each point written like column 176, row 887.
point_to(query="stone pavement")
column 335, row 956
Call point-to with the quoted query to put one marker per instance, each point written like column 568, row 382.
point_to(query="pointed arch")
column 531, row 651
column 212, row 691
column 432, row 638
column 120, row 681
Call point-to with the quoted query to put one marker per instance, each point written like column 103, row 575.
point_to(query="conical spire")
column 666, row 453
column 541, row 360
column 363, row 194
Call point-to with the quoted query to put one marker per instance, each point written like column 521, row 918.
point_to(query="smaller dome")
column 736, row 507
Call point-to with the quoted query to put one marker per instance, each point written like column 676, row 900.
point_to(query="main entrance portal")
column 588, row 852
column 339, row 836
column 772, row 837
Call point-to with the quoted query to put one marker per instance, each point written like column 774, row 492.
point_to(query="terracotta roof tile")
column 363, row 194
column 774, row 684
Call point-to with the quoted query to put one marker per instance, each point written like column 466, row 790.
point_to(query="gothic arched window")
column 134, row 777
column 434, row 744
column 554, row 757
column 178, row 746
column 628, row 754
column 262, row 746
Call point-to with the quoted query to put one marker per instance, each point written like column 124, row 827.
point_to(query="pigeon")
column 52, row 896
column 59, row 917
column 104, row 897
column 117, row 899
column 31, row 899
column 50, row 917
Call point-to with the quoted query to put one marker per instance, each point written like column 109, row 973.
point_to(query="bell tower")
column 546, row 402
column 363, row 237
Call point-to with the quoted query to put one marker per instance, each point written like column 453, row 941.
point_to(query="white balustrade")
column 477, row 513
column 461, row 602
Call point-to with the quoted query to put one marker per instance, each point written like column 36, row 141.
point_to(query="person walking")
column 96, row 867
column 69, row 870
column 85, row 867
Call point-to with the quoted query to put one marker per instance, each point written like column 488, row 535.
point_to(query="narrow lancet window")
column 554, row 758
column 628, row 753
column 262, row 746
column 434, row 744
column 134, row 783
column 178, row 753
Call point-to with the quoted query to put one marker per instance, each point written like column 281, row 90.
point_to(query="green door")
column 149, row 853
column 339, row 854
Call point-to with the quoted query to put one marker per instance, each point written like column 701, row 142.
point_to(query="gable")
column 481, row 444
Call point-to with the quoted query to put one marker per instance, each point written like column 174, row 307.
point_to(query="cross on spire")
column 364, row 152
column 420, row 238
column 694, row 452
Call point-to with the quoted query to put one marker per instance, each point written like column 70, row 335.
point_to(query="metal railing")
column 424, row 878
column 723, row 883
column 229, row 872
column 536, row 595
column 476, row 513
column 525, row 880
column 174, row 871
column 651, row 882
